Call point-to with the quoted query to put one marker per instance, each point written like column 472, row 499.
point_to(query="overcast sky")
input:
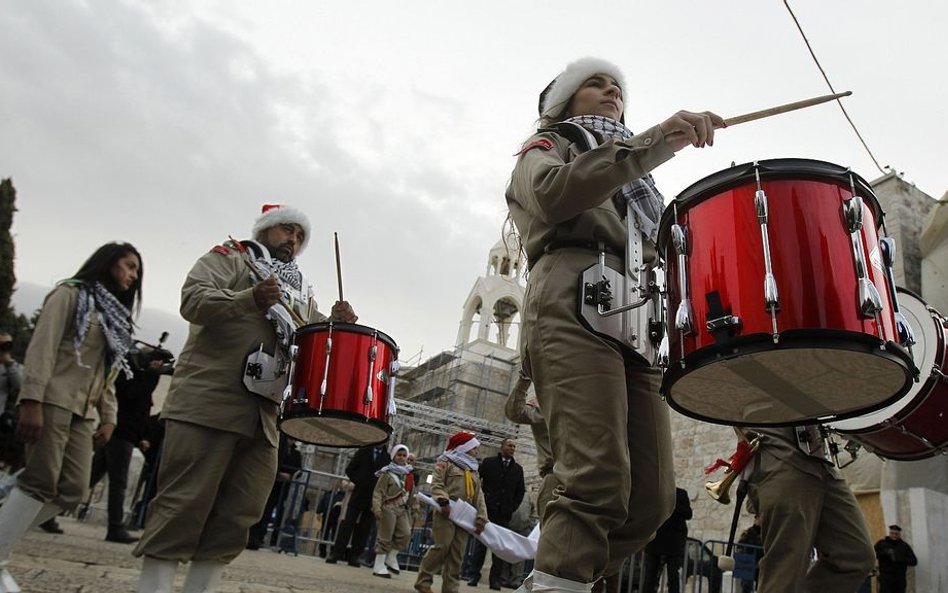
column 168, row 123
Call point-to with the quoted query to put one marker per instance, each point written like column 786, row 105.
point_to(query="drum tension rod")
column 771, row 294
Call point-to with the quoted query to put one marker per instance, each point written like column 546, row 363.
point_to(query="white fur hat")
column 274, row 214
column 556, row 95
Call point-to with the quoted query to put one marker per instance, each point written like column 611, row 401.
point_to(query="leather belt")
column 594, row 246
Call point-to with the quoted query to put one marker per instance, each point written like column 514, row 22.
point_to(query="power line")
column 830, row 85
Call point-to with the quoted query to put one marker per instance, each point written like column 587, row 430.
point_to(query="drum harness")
column 264, row 374
column 600, row 305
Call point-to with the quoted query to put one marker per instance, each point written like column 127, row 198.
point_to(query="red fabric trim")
column 221, row 249
column 539, row 143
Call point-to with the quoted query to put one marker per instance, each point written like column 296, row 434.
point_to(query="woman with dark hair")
column 579, row 191
column 78, row 347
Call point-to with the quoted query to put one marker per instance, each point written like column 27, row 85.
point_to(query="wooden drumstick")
column 338, row 265
column 739, row 119
column 296, row 316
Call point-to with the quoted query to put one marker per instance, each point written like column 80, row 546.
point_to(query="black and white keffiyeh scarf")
column 646, row 202
column 462, row 460
column 115, row 319
column 289, row 275
column 394, row 468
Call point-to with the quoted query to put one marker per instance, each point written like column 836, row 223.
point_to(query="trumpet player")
column 804, row 503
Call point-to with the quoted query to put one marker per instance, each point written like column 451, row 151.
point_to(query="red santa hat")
column 462, row 442
column 274, row 214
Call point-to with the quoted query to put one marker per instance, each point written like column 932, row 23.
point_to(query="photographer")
column 148, row 363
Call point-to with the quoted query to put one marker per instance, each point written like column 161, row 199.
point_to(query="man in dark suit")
column 359, row 519
column 668, row 546
column 502, row 481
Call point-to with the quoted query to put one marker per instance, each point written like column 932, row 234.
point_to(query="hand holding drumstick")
column 697, row 129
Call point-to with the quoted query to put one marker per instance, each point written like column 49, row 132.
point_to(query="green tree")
column 7, row 275
column 19, row 325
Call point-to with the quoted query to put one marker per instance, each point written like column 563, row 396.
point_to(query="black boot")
column 51, row 526
column 119, row 536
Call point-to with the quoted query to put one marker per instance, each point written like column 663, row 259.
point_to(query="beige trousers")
column 58, row 465
column 394, row 530
column 445, row 555
column 609, row 431
column 799, row 512
column 212, row 486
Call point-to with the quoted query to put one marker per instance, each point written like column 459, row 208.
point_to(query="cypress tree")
column 7, row 275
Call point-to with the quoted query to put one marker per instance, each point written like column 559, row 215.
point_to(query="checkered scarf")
column 115, row 319
column 289, row 275
column 646, row 202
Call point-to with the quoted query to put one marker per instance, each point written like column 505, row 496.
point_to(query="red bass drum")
column 342, row 390
column 913, row 427
column 780, row 301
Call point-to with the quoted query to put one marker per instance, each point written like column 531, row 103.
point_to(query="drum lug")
column 664, row 352
column 771, row 294
column 373, row 352
column 902, row 327
column 869, row 302
column 684, row 316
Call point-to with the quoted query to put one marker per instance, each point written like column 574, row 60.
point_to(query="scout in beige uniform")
column 77, row 349
column 609, row 431
column 391, row 505
column 821, row 512
column 455, row 477
column 220, row 451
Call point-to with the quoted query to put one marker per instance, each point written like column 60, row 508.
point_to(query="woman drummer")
column 78, row 347
column 609, row 430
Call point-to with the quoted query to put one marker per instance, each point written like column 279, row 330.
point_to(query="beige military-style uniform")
column 804, row 503
column 449, row 482
column 392, row 502
column 75, row 396
column 220, row 450
column 609, row 431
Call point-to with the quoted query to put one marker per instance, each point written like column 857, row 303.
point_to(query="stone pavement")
column 81, row 561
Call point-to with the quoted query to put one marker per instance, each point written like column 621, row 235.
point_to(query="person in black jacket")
column 359, row 520
column 668, row 547
column 895, row 556
column 502, row 481
column 134, row 397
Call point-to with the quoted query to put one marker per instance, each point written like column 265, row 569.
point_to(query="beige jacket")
column 448, row 482
column 779, row 445
column 390, row 492
column 226, row 325
column 558, row 193
column 51, row 372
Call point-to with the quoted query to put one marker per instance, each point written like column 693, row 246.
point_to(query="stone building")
column 466, row 388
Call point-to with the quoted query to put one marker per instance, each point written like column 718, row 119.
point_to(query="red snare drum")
column 779, row 311
column 343, row 386
column 913, row 427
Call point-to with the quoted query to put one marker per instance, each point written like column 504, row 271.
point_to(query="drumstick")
column 739, row 119
column 338, row 265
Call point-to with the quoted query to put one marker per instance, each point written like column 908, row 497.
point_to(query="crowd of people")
column 580, row 183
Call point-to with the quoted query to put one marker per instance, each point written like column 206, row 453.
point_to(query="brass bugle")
column 720, row 490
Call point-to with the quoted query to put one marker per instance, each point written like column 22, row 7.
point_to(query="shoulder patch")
column 221, row 249
column 542, row 143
